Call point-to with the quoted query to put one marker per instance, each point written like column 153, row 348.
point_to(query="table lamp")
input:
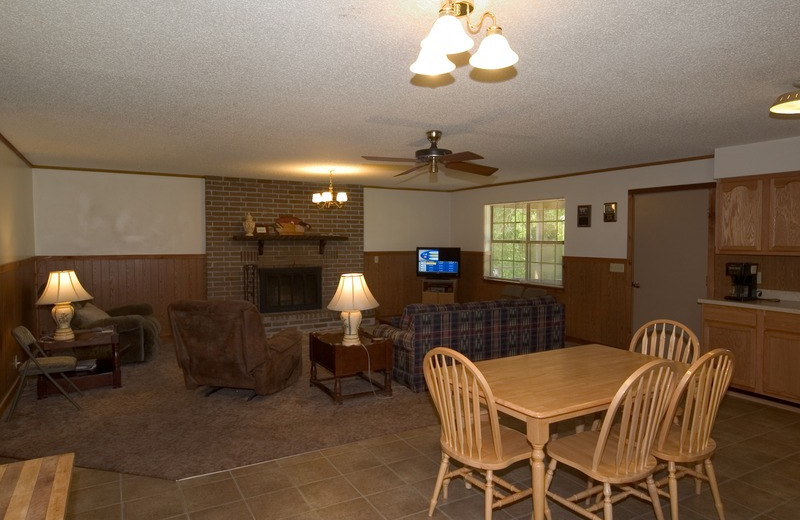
column 352, row 296
column 63, row 287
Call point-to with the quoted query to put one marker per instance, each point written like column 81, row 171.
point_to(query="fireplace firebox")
column 285, row 289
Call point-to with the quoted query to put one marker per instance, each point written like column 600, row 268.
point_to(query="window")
column 524, row 241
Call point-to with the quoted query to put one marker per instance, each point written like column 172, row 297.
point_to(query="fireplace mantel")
column 305, row 237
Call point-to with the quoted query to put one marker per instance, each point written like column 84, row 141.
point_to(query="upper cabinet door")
column 739, row 215
column 784, row 214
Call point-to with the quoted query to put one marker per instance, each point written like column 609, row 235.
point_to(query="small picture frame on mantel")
column 610, row 212
column 585, row 215
column 261, row 230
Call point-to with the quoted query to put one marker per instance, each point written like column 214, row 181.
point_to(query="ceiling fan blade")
column 478, row 169
column 460, row 156
column 413, row 168
column 399, row 159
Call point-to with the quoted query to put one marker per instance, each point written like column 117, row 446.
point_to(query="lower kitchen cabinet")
column 766, row 346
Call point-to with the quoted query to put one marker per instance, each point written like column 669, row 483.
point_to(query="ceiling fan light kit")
column 447, row 36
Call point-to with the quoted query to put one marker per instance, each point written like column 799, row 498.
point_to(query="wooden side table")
column 373, row 355
column 107, row 372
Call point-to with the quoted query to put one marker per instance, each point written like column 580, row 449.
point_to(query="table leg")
column 538, row 435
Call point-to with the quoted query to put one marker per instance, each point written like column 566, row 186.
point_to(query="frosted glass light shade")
column 787, row 104
column 316, row 198
column 327, row 196
column 448, row 36
column 432, row 62
column 341, row 197
column 494, row 52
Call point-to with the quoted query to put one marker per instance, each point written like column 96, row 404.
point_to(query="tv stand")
column 439, row 290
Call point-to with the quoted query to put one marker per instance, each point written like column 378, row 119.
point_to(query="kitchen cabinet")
column 781, row 367
column 759, row 215
column 766, row 346
column 736, row 330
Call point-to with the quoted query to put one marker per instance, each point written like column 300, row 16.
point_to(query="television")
column 439, row 262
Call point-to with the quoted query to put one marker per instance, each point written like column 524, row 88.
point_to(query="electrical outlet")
column 376, row 259
column 758, row 278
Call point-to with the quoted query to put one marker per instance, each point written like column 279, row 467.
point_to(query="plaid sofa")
column 479, row 330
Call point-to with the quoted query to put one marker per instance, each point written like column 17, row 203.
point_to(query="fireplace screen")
column 287, row 289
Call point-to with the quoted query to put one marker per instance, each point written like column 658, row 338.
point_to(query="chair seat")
column 51, row 365
column 578, row 450
column 670, row 451
column 515, row 449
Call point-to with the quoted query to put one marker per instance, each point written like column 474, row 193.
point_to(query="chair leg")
column 673, row 491
column 63, row 392
column 608, row 505
column 653, row 490
column 70, row 383
column 16, row 397
column 698, row 482
column 438, row 486
column 488, row 495
column 712, row 481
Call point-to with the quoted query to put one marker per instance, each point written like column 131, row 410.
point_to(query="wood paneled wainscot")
column 766, row 344
column 759, row 215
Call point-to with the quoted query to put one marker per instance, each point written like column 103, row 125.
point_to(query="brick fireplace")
column 227, row 202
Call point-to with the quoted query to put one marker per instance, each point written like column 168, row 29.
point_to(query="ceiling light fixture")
column 447, row 36
column 326, row 199
column 787, row 104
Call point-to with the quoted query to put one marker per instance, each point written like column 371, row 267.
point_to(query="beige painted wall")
column 781, row 155
column 401, row 220
column 16, row 208
column 94, row 213
column 602, row 239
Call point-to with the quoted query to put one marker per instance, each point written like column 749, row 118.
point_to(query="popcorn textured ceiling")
column 291, row 90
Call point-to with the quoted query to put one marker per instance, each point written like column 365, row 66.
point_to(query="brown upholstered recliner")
column 223, row 344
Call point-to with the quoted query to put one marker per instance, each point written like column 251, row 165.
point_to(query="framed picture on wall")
column 585, row 215
column 610, row 212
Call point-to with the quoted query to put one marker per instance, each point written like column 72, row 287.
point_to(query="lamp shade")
column 432, row 62
column 63, row 286
column 787, row 104
column 341, row 197
column 352, row 294
column 494, row 52
column 447, row 35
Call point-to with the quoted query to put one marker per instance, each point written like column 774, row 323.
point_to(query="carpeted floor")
column 154, row 426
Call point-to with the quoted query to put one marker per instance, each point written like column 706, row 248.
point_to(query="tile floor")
column 757, row 462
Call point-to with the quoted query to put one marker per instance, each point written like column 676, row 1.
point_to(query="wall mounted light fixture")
column 447, row 36
column 326, row 199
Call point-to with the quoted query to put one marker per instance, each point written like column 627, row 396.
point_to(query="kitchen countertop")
column 784, row 305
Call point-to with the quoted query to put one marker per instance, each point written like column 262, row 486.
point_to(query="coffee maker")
column 744, row 279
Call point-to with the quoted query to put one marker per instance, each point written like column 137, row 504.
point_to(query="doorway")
column 669, row 253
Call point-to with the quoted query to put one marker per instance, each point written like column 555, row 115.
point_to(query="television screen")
column 443, row 262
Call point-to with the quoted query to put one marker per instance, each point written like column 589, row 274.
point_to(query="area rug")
column 154, row 426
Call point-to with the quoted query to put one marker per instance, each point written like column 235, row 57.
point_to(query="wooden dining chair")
column 685, row 438
column 666, row 339
column 619, row 454
column 471, row 434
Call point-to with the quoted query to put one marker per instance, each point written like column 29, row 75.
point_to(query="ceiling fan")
column 434, row 156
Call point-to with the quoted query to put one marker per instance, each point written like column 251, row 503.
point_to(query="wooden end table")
column 373, row 355
column 107, row 372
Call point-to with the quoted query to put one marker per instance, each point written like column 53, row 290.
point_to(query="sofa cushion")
column 87, row 313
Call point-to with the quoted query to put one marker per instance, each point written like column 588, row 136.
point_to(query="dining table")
column 544, row 388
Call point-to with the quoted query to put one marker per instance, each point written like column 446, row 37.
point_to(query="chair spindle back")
column 666, row 339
